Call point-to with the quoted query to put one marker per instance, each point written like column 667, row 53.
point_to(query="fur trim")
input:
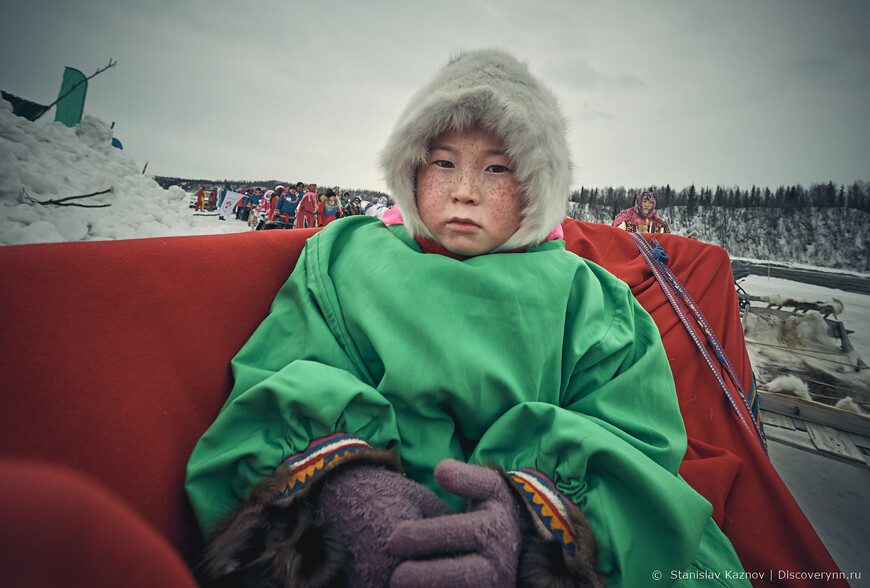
column 491, row 89
column 545, row 564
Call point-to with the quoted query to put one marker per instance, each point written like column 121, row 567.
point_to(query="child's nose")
column 466, row 189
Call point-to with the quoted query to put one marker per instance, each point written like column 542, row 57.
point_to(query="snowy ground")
column 46, row 160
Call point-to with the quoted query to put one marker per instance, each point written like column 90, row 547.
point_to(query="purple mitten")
column 322, row 519
column 477, row 548
column 365, row 504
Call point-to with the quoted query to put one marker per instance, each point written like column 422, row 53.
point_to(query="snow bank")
column 47, row 160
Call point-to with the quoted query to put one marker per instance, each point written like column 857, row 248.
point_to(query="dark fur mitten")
column 545, row 564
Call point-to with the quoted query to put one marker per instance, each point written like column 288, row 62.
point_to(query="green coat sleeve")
column 614, row 444
column 295, row 381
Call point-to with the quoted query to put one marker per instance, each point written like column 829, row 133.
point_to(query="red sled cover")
column 725, row 462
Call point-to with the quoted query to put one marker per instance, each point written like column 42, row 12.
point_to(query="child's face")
column 467, row 194
column 646, row 206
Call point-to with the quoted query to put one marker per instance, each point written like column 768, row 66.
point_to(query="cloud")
column 815, row 68
column 578, row 74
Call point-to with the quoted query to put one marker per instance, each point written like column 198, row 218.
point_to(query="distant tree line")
column 829, row 195
column 825, row 225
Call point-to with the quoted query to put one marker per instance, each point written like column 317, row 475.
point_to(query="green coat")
column 537, row 360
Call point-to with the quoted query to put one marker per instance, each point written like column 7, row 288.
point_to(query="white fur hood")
column 492, row 89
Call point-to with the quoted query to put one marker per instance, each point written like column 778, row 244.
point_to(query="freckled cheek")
column 430, row 187
column 504, row 221
column 429, row 196
column 505, row 208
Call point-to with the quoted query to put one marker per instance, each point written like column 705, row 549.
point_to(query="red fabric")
column 61, row 529
column 115, row 355
column 724, row 461
column 433, row 246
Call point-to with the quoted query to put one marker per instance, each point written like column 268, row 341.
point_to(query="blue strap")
column 669, row 285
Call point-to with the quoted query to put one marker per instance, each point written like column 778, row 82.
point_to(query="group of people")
column 296, row 206
column 205, row 201
column 299, row 206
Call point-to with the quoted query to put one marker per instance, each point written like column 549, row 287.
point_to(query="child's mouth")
column 462, row 225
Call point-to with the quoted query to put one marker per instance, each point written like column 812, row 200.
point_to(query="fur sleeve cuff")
column 549, row 509
column 275, row 531
column 563, row 550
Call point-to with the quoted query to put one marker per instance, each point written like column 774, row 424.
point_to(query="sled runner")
column 109, row 392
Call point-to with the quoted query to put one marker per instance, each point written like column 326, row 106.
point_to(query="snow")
column 47, row 160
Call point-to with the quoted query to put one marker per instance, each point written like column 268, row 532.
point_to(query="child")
column 504, row 415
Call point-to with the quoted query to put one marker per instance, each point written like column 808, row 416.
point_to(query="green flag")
column 71, row 98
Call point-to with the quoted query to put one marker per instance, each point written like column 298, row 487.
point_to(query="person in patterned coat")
column 642, row 217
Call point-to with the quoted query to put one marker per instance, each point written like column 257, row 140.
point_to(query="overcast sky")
column 710, row 92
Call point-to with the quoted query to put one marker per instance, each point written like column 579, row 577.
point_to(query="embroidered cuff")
column 550, row 510
column 321, row 456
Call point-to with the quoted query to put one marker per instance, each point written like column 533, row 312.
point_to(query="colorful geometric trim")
column 549, row 506
column 320, row 456
column 672, row 287
column 753, row 400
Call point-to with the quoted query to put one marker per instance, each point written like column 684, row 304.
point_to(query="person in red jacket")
column 200, row 199
column 306, row 214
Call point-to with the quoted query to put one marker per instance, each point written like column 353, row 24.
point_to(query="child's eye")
column 443, row 163
column 498, row 169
